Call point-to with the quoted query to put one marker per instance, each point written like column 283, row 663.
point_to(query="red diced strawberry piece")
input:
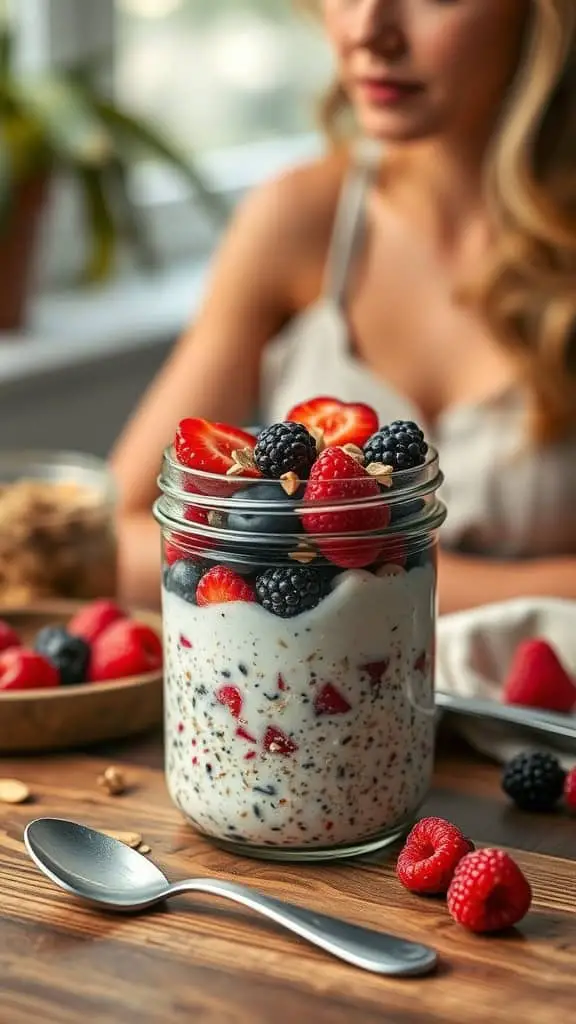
column 221, row 585
column 231, row 697
column 207, row 448
column 329, row 701
column 243, row 734
column 281, row 683
column 8, row 636
column 336, row 476
column 94, row 618
column 182, row 545
column 340, row 422
column 126, row 648
column 277, row 742
column 375, row 670
column 21, row 669
column 184, row 641
column 421, row 662
column 570, row 789
column 536, row 678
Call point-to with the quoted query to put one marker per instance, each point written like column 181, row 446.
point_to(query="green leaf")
column 6, row 51
column 131, row 223
column 153, row 142
column 99, row 217
column 68, row 118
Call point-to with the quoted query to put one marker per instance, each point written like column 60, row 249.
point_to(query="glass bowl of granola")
column 57, row 537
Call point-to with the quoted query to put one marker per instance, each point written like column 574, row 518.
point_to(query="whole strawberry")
column 570, row 790
column 337, row 477
column 537, row 678
column 488, row 892
column 432, row 851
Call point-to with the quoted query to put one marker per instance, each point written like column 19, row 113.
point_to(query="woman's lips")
column 387, row 92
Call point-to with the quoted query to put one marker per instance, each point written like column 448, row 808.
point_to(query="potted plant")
column 64, row 122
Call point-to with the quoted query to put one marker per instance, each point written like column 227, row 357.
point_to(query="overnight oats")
column 299, row 604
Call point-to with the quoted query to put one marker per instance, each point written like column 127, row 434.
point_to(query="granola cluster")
column 56, row 540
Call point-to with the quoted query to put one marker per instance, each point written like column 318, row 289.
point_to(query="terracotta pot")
column 18, row 237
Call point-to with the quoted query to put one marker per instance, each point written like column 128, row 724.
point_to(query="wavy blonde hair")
column 527, row 293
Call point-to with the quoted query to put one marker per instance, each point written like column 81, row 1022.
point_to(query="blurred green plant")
column 66, row 122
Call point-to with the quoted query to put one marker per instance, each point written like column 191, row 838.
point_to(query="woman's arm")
column 464, row 581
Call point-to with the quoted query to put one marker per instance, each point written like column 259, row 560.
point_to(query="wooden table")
column 210, row 962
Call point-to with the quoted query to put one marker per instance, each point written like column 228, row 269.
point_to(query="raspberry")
column 290, row 590
column 22, row 669
column 400, row 444
column 570, row 790
column 538, row 679
column 337, row 477
column 489, row 892
column 285, row 448
column 8, row 636
column 430, row 856
column 94, row 618
column 126, row 648
column 534, row 781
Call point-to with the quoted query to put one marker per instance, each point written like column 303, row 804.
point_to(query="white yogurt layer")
column 334, row 734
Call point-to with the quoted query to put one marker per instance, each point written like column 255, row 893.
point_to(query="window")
column 220, row 73
column 234, row 82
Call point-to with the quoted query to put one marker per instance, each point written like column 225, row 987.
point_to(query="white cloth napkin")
column 475, row 649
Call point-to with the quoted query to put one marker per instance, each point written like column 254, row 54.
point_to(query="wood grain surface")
column 203, row 960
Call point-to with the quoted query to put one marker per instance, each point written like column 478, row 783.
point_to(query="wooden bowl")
column 75, row 716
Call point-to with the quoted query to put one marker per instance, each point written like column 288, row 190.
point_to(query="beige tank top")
column 504, row 499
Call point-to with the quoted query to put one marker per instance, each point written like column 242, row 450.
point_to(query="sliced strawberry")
column 329, row 701
column 220, row 585
column 336, row 476
column 537, row 678
column 182, row 545
column 208, row 447
column 340, row 422
column 277, row 742
column 231, row 697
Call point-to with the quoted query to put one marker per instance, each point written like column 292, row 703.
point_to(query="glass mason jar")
column 310, row 735
column 57, row 536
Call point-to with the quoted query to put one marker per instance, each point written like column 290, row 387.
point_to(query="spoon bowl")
column 104, row 871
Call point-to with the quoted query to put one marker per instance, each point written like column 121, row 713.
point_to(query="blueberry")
column 183, row 578
column 267, row 521
column 406, row 508
column 69, row 654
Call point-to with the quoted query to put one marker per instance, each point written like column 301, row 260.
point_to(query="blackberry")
column 285, row 448
column 182, row 578
column 69, row 654
column 291, row 590
column 400, row 444
column 534, row 782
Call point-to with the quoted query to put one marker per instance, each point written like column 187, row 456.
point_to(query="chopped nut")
column 216, row 519
column 383, row 474
column 355, row 452
column 243, row 458
column 304, row 557
column 12, row 791
column 144, row 849
column 318, row 435
column 131, row 839
column 290, row 483
column 113, row 781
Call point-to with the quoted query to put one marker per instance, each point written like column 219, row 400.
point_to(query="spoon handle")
column 363, row 947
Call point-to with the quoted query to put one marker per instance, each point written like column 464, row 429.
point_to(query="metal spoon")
column 104, row 871
column 560, row 728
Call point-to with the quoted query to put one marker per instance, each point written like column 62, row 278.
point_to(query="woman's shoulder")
column 299, row 204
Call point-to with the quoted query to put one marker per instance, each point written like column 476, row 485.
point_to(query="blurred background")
column 129, row 129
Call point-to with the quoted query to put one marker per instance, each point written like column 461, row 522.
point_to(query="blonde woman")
column 427, row 266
